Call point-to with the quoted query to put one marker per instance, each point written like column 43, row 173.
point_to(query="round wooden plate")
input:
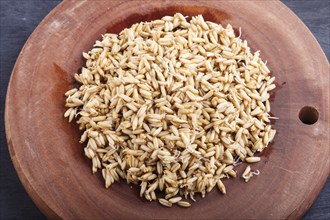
column 50, row 162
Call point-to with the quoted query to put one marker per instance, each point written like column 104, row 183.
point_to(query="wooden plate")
column 50, row 162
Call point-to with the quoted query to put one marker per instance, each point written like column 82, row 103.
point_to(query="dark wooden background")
column 18, row 20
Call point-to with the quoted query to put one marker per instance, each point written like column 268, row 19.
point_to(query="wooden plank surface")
column 18, row 20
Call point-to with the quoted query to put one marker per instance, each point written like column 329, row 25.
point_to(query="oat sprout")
column 172, row 105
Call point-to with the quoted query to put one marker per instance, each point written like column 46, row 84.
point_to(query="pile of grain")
column 172, row 105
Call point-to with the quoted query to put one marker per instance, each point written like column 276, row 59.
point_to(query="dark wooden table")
column 18, row 20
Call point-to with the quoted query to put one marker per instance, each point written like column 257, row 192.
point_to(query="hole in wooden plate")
column 308, row 115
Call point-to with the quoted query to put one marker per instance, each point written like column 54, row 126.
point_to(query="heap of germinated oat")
column 172, row 105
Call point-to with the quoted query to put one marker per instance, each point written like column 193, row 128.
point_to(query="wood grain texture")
column 54, row 171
